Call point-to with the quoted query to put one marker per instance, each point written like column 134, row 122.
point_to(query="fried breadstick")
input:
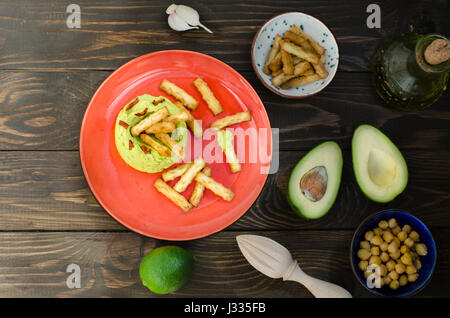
column 216, row 187
column 208, row 96
column 177, row 92
column 149, row 121
column 199, row 188
column 172, row 195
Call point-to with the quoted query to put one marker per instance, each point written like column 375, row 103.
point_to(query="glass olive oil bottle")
column 410, row 72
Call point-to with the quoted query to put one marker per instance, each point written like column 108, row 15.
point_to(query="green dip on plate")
column 151, row 161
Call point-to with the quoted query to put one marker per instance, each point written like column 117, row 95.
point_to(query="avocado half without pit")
column 380, row 169
column 314, row 181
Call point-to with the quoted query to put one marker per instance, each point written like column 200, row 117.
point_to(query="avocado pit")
column 313, row 184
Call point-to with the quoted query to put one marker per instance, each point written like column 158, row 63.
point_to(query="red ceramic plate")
column 127, row 194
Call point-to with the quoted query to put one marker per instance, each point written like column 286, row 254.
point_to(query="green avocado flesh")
column 379, row 166
column 152, row 161
column 314, row 181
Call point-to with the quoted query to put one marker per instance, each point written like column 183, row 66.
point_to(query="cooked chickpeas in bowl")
column 393, row 253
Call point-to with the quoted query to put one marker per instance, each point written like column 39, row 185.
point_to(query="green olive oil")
column 402, row 76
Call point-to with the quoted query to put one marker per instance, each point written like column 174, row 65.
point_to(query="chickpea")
column 367, row 274
column 383, row 270
column 393, row 275
column 393, row 247
column 392, row 223
column 390, row 265
column 410, row 269
column 374, row 259
column 375, row 250
column 362, row 265
column 400, row 268
column 376, row 240
column 395, row 255
column 365, row 245
column 408, row 242
column 384, row 246
column 404, row 249
column 368, row 236
column 414, row 236
column 388, row 236
column 406, row 259
column 402, row 236
column 384, row 257
column 383, row 224
column 397, row 241
column 418, row 264
column 396, row 230
column 421, row 249
column 412, row 277
column 394, row 284
column 406, row 228
column 387, row 280
column 377, row 231
column 364, row 254
column 403, row 280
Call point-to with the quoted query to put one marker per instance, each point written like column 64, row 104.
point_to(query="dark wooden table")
column 49, row 218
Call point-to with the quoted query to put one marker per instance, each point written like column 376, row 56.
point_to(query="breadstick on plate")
column 299, row 69
column 208, row 96
column 149, row 121
column 172, row 195
column 299, row 51
column 178, row 117
column 288, row 66
column 276, row 63
column 231, row 120
column 199, row 189
column 225, row 140
column 174, row 173
column 320, row 70
column 172, row 144
column 299, row 40
column 177, row 92
column 161, row 127
column 302, row 80
column 155, row 145
column 189, row 175
column 214, row 186
column 194, row 125
column 317, row 47
column 273, row 52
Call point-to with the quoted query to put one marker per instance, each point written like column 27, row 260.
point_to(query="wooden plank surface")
column 46, row 190
column 50, row 219
column 34, row 34
column 34, row 265
column 44, row 110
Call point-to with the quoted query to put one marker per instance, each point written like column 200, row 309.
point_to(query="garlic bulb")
column 178, row 24
column 183, row 18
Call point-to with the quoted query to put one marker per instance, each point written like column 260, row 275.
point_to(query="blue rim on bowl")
column 428, row 261
column 281, row 23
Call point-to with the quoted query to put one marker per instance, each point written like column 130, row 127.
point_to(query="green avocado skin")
column 297, row 210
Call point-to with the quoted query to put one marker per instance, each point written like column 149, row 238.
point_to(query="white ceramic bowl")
column 279, row 24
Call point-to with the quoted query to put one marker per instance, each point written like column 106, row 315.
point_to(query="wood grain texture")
column 47, row 191
column 44, row 110
column 34, row 265
column 34, row 34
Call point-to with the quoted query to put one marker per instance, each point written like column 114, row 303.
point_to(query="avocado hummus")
column 133, row 150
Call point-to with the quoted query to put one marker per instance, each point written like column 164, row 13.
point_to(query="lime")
column 165, row 269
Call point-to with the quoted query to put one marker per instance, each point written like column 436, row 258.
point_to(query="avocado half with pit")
column 314, row 181
column 380, row 169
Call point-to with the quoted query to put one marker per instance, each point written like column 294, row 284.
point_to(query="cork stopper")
column 437, row 52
